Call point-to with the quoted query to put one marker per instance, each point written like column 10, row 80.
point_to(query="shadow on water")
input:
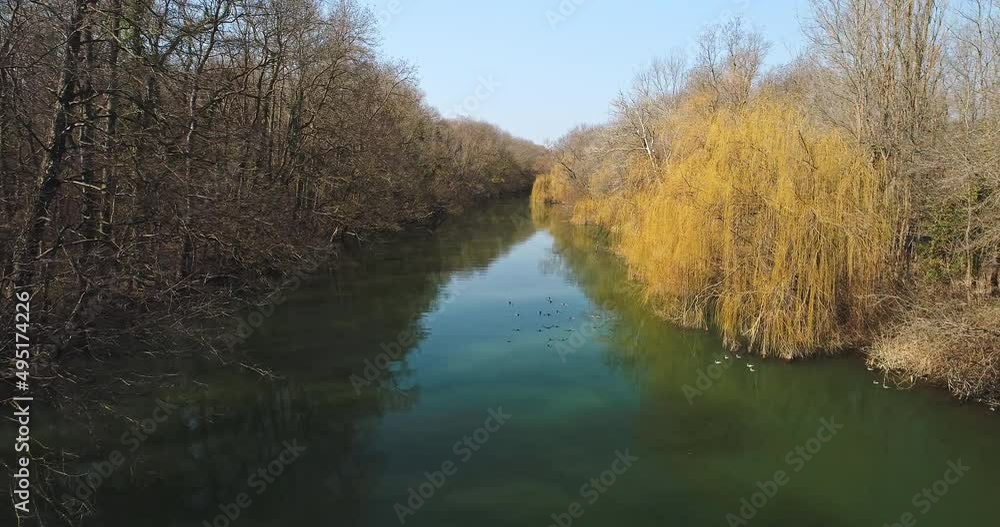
column 487, row 313
column 222, row 426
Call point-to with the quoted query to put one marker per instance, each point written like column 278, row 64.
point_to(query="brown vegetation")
column 157, row 156
column 954, row 343
column 815, row 207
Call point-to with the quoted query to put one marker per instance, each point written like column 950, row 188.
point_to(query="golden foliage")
column 550, row 189
column 611, row 211
column 776, row 231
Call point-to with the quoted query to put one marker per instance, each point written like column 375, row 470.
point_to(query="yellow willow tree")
column 780, row 233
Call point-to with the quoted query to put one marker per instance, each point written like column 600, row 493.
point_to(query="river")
column 498, row 373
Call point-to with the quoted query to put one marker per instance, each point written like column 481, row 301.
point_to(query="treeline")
column 849, row 199
column 152, row 151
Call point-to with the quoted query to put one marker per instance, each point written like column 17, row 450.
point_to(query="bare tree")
column 195, row 143
column 729, row 62
column 885, row 56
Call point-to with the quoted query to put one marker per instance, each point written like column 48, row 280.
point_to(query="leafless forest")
column 157, row 155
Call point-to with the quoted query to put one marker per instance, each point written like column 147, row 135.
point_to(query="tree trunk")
column 50, row 177
column 109, row 178
column 187, row 249
column 91, row 209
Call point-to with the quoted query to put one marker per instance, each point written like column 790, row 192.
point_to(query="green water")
column 487, row 309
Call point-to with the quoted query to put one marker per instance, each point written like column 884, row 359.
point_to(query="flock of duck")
column 543, row 314
column 750, row 367
column 557, row 313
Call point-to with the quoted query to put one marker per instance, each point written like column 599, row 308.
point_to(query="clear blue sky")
column 538, row 76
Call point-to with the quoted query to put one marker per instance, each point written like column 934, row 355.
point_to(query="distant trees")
column 150, row 146
column 725, row 72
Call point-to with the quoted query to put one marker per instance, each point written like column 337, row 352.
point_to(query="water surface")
column 497, row 312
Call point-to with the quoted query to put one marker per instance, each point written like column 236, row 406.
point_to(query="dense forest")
column 849, row 199
column 160, row 158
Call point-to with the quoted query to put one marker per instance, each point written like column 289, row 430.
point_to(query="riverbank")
column 210, row 315
column 955, row 344
column 952, row 343
column 474, row 307
column 210, row 366
column 177, row 194
column 844, row 200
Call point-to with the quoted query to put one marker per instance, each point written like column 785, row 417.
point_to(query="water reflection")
column 338, row 325
column 737, row 430
column 475, row 314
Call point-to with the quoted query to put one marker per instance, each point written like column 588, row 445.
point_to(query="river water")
column 498, row 372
